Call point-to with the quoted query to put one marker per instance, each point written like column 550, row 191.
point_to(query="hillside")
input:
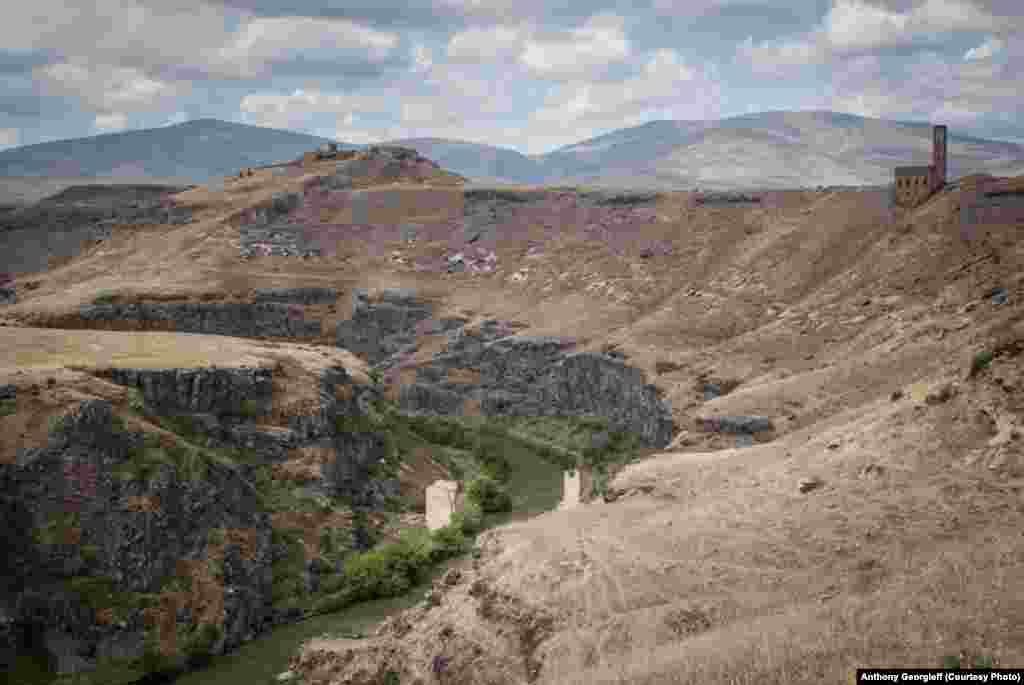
column 194, row 150
column 872, row 517
column 782, row 150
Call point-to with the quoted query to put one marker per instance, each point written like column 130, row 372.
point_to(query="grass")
column 105, row 297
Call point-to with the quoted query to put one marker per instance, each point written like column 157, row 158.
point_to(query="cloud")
column 986, row 50
column 105, row 88
column 665, row 87
column 598, row 43
column 485, row 44
column 285, row 111
column 9, row 137
column 264, row 41
column 852, row 27
column 111, row 122
column 930, row 86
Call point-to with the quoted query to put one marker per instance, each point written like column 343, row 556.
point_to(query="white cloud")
column 106, row 88
column 931, row 87
column 283, row 111
column 111, row 122
column 852, row 27
column 422, row 58
column 485, row 44
column 9, row 137
column 665, row 87
column 852, row 24
column 264, row 41
column 986, row 50
column 599, row 42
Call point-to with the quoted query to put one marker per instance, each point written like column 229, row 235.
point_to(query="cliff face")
column 507, row 375
column 134, row 551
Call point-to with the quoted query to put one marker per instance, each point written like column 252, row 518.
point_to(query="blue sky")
column 514, row 73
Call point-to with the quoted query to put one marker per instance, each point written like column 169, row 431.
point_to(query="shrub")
column 470, row 520
column 489, row 494
column 249, row 408
column 104, row 297
column 981, row 361
column 8, row 407
column 135, row 400
column 389, row 570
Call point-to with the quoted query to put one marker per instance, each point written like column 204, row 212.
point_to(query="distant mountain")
column 196, row 149
column 766, row 149
column 771, row 150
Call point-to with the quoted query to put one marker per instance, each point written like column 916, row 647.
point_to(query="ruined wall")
column 443, row 500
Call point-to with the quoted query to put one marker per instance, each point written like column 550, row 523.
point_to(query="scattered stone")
column 940, row 394
column 744, row 441
column 896, row 395
column 8, row 392
column 287, row 676
column 8, row 295
column 833, row 444
column 872, row 471
column 998, row 296
column 452, row 577
column 808, row 484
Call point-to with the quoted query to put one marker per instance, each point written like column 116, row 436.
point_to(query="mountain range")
column 777, row 149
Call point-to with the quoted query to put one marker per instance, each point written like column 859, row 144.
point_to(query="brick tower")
column 938, row 157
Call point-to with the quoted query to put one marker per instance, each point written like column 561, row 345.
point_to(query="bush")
column 8, row 407
column 136, row 401
column 981, row 361
column 104, row 297
column 389, row 570
column 489, row 494
column 249, row 409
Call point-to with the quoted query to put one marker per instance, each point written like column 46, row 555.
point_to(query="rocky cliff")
column 132, row 551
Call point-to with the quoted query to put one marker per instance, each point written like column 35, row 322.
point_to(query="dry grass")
column 711, row 566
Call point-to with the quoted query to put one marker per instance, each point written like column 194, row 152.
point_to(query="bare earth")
column 712, row 566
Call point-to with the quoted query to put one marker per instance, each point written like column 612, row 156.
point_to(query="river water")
column 260, row 661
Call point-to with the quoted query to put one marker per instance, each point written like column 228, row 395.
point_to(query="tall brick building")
column 912, row 185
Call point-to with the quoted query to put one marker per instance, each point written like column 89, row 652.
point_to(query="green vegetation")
column 105, row 297
column 8, row 407
column 56, row 423
column 57, row 529
column 135, row 400
column 981, row 661
column 249, row 409
column 394, row 568
column 490, row 495
column 981, row 361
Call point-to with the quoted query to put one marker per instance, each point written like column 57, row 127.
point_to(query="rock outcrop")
column 380, row 329
column 99, row 552
column 247, row 320
column 507, row 375
column 128, row 555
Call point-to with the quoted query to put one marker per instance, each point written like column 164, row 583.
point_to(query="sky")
column 530, row 75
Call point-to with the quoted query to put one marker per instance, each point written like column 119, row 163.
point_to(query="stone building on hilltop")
column 912, row 185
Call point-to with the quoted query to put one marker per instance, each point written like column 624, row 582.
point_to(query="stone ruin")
column 912, row 185
column 444, row 497
column 576, row 487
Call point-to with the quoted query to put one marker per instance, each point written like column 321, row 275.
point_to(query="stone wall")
column 443, row 500
column 576, row 487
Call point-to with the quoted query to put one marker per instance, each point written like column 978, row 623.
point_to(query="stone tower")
column 939, row 156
